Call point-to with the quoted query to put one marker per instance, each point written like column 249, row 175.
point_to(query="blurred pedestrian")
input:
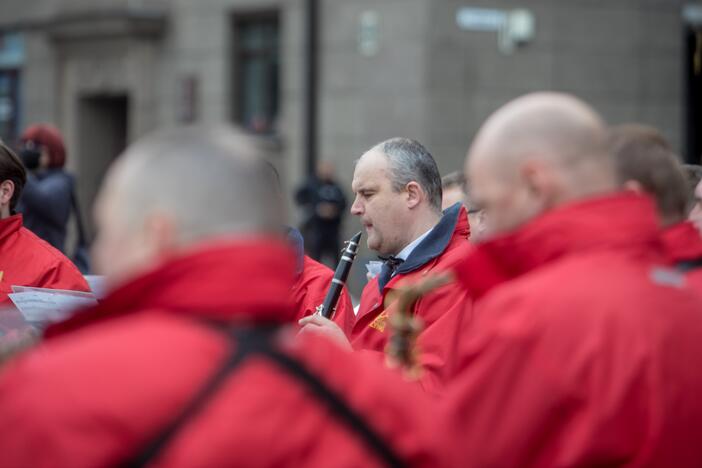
column 46, row 199
column 188, row 361
column 575, row 354
column 324, row 204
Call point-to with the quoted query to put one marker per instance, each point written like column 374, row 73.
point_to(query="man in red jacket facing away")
column 398, row 198
column 580, row 350
column 188, row 361
column 312, row 279
column 26, row 260
column 312, row 282
column 646, row 163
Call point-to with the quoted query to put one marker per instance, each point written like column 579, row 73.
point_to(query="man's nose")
column 356, row 207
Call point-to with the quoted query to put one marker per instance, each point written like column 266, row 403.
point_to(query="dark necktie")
column 387, row 270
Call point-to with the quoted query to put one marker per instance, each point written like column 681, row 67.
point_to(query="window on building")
column 257, row 71
column 693, row 98
column 9, row 106
column 11, row 58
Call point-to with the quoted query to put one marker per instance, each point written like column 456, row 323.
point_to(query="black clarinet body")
column 341, row 274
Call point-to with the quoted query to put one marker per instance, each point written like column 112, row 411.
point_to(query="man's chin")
column 373, row 244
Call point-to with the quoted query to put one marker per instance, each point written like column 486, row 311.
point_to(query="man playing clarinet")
column 397, row 191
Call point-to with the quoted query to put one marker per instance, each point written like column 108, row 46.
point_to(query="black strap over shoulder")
column 689, row 265
column 258, row 341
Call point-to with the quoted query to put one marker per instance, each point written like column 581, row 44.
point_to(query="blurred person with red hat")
column 46, row 200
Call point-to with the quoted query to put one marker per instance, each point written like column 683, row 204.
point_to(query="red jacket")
column 582, row 351
column 26, row 260
column 311, row 288
column 442, row 311
column 684, row 246
column 109, row 380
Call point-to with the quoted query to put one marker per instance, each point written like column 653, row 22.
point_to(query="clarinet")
column 328, row 307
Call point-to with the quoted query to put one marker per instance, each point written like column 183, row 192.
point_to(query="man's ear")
column 634, row 186
column 541, row 179
column 160, row 233
column 7, row 190
column 415, row 194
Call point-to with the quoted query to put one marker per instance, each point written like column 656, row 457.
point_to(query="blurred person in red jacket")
column 312, row 282
column 646, row 163
column 398, row 199
column 455, row 190
column 188, row 361
column 580, row 349
column 312, row 279
column 26, row 260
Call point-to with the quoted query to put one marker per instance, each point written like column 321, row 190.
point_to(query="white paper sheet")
column 43, row 306
column 97, row 285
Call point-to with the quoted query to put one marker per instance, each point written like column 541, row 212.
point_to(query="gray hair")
column 212, row 181
column 410, row 161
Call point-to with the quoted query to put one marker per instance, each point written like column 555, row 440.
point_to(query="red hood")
column 244, row 280
column 619, row 221
column 682, row 242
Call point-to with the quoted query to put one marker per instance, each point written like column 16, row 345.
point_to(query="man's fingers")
column 314, row 320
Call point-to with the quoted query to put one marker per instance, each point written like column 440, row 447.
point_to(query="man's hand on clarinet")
column 318, row 324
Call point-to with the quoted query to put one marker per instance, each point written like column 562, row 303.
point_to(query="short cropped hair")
column 11, row 168
column 410, row 161
column 693, row 172
column 213, row 180
column 453, row 179
column 642, row 154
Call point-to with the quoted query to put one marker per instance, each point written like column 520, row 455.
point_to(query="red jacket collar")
column 623, row 221
column 682, row 242
column 9, row 226
column 244, row 280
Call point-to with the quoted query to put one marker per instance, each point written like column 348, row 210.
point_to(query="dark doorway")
column 693, row 94
column 102, row 136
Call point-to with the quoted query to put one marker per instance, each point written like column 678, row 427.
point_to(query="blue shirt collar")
column 407, row 251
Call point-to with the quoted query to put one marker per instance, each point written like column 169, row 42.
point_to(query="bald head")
column 548, row 148
column 551, row 126
column 180, row 186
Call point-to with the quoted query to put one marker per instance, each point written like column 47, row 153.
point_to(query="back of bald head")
column 643, row 155
column 554, row 127
column 210, row 180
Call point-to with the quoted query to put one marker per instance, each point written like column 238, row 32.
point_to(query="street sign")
column 480, row 19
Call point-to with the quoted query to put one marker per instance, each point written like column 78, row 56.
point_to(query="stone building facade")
column 109, row 71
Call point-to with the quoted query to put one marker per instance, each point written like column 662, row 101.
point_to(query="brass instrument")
column 402, row 350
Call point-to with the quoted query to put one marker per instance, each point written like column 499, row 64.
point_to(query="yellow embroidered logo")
column 380, row 321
